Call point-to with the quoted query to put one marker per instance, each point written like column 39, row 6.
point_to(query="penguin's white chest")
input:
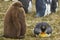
column 30, row 7
column 48, row 9
column 57, row 6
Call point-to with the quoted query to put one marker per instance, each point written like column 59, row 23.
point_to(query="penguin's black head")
column 43, row 28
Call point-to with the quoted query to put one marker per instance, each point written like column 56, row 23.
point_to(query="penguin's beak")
column 42, row 34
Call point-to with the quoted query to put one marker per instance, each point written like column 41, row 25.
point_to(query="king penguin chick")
column 43, row 29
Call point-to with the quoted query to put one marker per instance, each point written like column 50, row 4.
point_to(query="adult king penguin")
column 43, row 29
column 27, row 5
column 54, row 5
column 40, row 8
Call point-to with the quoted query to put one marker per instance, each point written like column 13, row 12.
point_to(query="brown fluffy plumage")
column 14, row 22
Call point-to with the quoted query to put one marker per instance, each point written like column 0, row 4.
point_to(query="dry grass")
column 53, row 19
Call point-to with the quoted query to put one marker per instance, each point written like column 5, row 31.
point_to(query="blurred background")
column 53, row 19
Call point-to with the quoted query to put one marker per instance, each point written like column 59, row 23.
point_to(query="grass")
column 53, row 19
